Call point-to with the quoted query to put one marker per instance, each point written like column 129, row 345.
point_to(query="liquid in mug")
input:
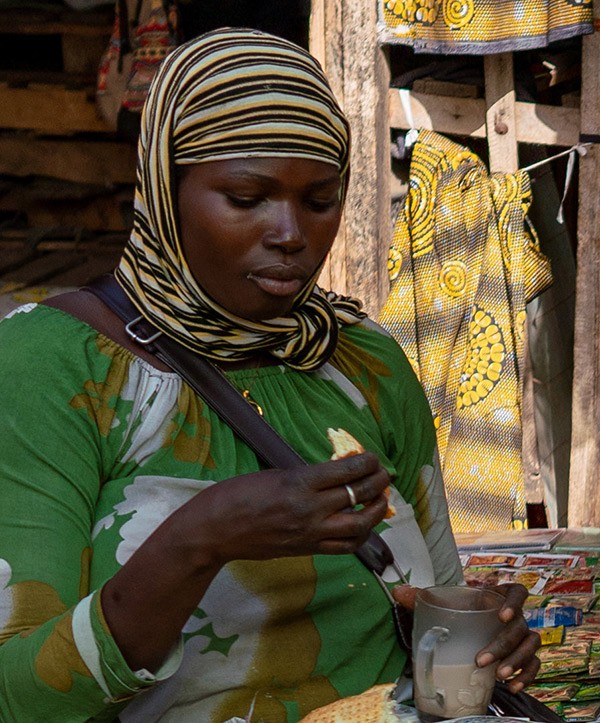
column 466, row 691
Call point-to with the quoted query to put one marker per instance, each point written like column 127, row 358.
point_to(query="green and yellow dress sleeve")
column 58, row 659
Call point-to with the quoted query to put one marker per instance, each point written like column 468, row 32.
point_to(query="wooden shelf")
column 49, row 109
column 101, row 162
column 535, row 123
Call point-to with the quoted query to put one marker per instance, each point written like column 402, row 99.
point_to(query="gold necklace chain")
column 247, row 388
column 252, row 402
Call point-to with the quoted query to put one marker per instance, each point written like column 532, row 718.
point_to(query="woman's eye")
column 243, row 201
column 322, row 204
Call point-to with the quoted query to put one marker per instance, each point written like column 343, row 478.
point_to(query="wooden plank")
column 41, row 269
column 535, row 123
column 95, row 162
column 49, row 109
column 355, row 62
column 103, row 213
column 30, row 22
column 24, row 78
column 501, row 125
column 500, row 114
column 550, row 125
column 584, row 500
column 326, row 42
column 90, row 267
column 432, row 86
column 82, row 56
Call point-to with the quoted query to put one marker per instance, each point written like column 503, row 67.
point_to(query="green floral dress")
column 97, row 447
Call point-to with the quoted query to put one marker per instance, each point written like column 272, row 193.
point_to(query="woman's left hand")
column 513, row 650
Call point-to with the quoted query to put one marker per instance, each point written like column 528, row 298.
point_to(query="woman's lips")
column 278, row 281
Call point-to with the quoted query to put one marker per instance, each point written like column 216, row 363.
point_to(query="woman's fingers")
column 515, row 595
column 305, row 510
column 354, row 470
column 520, row 669
column 405, row 595
column 518, row 676
column 514, row 648
column 340, row 485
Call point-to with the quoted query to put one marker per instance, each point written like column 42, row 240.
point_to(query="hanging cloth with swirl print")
column 464, row 262
column 482, row 26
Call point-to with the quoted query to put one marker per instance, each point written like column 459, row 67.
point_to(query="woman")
column 163, row 575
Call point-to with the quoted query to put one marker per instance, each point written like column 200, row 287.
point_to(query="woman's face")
column 255, row 230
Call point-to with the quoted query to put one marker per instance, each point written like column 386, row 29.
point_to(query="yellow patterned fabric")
column 464, row 262
column 482, row 26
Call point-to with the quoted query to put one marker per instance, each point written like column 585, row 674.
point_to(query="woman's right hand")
column 278, row 513
column 258, row 516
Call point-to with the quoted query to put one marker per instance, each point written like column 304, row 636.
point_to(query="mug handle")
column 424, row 662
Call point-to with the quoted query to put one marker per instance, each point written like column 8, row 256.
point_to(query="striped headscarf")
column 232, row 93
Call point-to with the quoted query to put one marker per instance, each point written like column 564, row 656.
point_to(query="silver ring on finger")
column 351, row 496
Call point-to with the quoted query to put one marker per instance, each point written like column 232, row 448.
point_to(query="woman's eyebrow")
column 243, row 175
column 326, row 182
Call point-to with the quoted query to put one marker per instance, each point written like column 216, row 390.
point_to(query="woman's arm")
column 258, row 516
column 51, row 464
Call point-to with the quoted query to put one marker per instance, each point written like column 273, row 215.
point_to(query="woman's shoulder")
column 374, row 342
column 39, row 337
column 34, row 324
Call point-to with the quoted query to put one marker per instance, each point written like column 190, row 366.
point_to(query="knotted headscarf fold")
column 231, row 93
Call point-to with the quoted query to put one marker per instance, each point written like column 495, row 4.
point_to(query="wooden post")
column 343, row 37
column 500, row 113
column 584, row 500
column 326, row 44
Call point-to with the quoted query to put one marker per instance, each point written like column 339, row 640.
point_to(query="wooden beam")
column 358, row 71
column 326, row 43
column 584, row 500
column 535, row 123
column 49, row 109
column 30, row 22
column 95, row 162
column 500, row 116
column 102, row 213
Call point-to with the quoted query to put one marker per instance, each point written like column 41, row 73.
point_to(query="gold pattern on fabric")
column 57, row 659
column 481, row 26
column 485, row 360
column 191, row 440
column 363, row 369
column 99, row 398
column 457, row 306
column 423, row 506
column 453, row 278
column 84, row 578
column 267, row 579
column 33, row 603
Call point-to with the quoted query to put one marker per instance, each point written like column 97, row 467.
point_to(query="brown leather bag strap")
column 212, row 385
column 204, row 378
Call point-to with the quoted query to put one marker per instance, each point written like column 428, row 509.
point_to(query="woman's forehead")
column 321, row 171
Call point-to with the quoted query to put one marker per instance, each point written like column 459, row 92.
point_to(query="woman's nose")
column 285, row 227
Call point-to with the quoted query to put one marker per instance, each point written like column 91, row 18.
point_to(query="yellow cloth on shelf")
column 464, row 261
column 481, row 26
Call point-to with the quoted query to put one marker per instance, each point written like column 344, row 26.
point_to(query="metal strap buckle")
column 131, row 333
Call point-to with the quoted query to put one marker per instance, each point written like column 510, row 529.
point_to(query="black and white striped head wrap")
column 232, row 93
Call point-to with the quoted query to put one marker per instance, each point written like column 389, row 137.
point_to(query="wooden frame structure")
column 343, row 36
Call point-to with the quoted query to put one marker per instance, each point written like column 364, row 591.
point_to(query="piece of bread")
column 375, row 705
column 345, row 445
